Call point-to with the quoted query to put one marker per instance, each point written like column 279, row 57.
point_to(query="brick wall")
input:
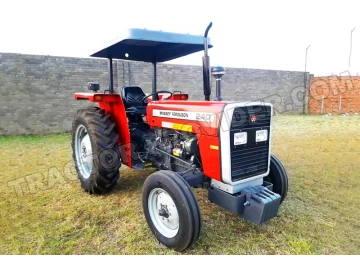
column 335, row 94
column 37, row 91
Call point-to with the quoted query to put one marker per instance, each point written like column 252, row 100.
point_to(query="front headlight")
column 240, row 138
column 261, row 135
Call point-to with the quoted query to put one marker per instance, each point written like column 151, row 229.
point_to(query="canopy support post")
column 111, row 76
column 155, row 96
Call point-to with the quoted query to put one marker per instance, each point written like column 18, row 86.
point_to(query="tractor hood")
column 200, row 117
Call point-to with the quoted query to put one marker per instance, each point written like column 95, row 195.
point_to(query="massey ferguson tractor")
column 223, row 146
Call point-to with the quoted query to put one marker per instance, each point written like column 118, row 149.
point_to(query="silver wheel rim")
column 163, row 212
column 83, row 151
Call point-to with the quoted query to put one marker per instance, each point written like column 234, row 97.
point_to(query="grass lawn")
column 44, row 211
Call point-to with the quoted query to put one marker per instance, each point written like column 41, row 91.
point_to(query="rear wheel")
column 171, row 210
column 278, row 177
column 95, row 150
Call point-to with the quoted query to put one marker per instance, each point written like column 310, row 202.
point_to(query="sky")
column 247, row 34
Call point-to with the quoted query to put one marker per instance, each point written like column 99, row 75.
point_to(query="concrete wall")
column 335, row 94
column 37, row 91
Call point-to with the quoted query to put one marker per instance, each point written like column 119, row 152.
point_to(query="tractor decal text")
column 196, row 116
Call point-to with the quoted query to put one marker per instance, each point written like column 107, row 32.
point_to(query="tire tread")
column 103, row 136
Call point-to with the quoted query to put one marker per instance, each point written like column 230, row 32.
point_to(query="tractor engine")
column 167, row 149
column 182, row 145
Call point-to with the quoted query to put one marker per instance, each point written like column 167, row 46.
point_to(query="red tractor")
column 222, row 146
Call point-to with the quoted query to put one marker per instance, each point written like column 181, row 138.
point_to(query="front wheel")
column 278, row 177
column 171, row 210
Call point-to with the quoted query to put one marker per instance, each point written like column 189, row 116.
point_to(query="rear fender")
column 113, row 105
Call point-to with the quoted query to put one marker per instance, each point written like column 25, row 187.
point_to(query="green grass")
column 44, row 211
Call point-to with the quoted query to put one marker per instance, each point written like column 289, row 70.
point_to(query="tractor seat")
column 132, row 97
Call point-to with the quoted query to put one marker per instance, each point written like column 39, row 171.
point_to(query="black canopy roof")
column 152, row 46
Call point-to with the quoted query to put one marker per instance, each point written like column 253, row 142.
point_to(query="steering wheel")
column 157, row 92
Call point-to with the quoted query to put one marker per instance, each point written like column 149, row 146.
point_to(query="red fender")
column 113, row 105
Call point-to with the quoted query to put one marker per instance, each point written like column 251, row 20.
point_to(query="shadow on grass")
column 130, row 181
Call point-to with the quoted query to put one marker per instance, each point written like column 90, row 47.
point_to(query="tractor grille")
column 242, row 117
column 248, row 162
column 252, row 158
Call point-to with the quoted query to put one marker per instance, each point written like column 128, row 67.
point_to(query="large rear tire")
column 95, row 150
column 278, row 177
column 171, row 210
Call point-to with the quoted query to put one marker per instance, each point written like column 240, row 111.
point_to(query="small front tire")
column 171, row 210
column 278, row 177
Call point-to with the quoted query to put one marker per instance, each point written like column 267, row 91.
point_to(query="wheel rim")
column 83, row 151
column 163, row 212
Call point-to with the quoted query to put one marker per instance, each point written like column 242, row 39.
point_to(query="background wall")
column 37, row 91
column 335, row 94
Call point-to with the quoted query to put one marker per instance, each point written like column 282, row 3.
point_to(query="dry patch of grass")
column 44, row 211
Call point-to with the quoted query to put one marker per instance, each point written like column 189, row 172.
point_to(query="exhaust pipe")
column 206, row 66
